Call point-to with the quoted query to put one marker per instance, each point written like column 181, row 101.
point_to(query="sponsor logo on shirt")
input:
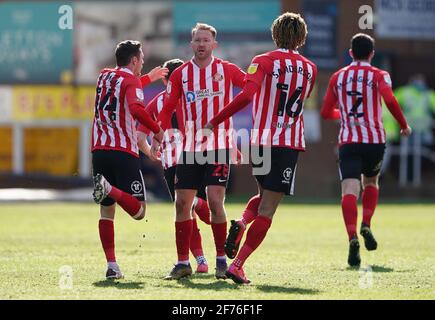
column 169, row 87
column 201, row 94
column 139, row 94
column 387, row 80
column 218, row 77
column 252, row 68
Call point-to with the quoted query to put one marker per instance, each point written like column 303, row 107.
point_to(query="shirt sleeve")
column 329, row 110
column 151, row 109
column 256, row 71
column 145, row 80
column 386, row 91
column 173, row 94
column 239, row 102
column 134, row 96
column 237, row 75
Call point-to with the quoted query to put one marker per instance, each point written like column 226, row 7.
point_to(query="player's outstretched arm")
column 144, row 146
column 239, row 102
column 329, row 110
column 155, row 74
column 392, row 104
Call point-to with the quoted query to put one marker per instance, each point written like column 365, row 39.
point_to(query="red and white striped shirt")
column 119, row 97
column 358, row 89
column 286, row 79
column 172, row 144
column 203, row 92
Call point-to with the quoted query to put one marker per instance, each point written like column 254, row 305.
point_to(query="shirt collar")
column 360, row 63
column 123, row 69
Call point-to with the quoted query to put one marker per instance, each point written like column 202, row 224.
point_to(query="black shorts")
column 170, row 183
column 191, row 174
column 355, row 159
column 283, row 163
column 121, row 170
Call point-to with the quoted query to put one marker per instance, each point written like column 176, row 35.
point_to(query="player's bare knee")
column 370, row 181
column 216, row 206
column 351, row 186
column 181, row 206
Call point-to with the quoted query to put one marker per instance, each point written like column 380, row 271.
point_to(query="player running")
column 115, row 159
column 357, row 89
column 279, row 82
column 204, row 85
column 171, row 149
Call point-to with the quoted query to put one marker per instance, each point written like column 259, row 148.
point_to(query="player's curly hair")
column 204, row 26
column 289, row 31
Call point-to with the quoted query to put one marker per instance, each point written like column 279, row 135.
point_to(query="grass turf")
column 303, row 256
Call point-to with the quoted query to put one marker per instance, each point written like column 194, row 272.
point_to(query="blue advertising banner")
column 321, row 44
column 36, row 42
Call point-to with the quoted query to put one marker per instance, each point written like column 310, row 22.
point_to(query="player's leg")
column 276, row 183
column 196, row 246
column 188, row 178
column 216, row 179
column 256, row 234
column 372, row 164
column 350, row 167
column 200, row 209
column 238, row 227
column 129, row 190
column 215, row 197
column 107, row 237
column 102, row 163
column 200, row 205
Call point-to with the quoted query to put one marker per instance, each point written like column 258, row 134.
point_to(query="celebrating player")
column 171, row 149
column 115, row 159
column 278, row 81
column 358, row 89
column 204, row 85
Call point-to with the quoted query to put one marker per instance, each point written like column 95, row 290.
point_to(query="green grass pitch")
column 303, row 256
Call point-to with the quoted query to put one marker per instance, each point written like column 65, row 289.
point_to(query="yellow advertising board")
column 52, row 102
column 5, row 149
column 51, row 151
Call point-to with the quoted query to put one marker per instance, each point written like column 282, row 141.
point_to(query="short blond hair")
column 289, row 31
column 204, row 26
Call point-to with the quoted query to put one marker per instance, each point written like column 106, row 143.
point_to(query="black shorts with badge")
column 283, row 163
column 194, row 174
column 170, row 183
column 355, row 159
column 121, row 170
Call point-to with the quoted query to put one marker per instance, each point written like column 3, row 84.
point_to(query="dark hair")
column 289, row 31
column 126, row 50
column 172, row 65
column 362, row 46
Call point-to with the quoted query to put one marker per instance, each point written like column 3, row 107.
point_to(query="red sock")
column 107, row 237
column 127, row 202
column 202, row 210
column 183, row 233
column 350, row 213
column 254, row 237
column 220, row 235
column 369, row 200
column 196, row 241
column 251, row 210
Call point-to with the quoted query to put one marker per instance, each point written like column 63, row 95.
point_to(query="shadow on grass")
column 119, row 284
column 285, row 289
column 216, row 285
column 224, row 285
column 382, row 269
